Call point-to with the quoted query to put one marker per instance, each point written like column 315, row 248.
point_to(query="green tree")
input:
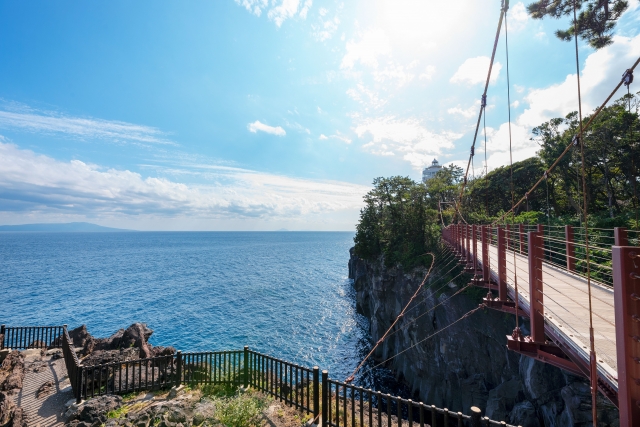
column 596, row 18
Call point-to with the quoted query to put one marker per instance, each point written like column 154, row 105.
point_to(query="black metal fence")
column 332, row 403
column 291, row 383
column 21, row 338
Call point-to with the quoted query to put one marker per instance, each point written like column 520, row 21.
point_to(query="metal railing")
column 22, row 338
column 332, row 403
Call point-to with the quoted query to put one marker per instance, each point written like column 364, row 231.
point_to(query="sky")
column 267, row 114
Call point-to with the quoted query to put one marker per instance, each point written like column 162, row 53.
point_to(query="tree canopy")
column 596, row 19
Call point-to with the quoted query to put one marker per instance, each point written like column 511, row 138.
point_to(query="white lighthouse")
column 430, row 172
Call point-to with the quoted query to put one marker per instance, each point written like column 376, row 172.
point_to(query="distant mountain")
column 61, row 227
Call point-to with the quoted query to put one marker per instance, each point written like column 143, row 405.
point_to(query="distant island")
column 62, row 227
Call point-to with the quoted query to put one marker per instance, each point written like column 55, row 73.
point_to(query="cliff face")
column 468, row 364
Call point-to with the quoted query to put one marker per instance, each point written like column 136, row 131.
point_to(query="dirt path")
column 45, row 408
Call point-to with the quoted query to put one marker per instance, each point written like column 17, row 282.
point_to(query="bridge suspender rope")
column 593, row 365
column 482, row 107
column 517, row 333
column 574, row 142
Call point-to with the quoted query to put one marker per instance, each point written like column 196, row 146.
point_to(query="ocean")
column 286, row 294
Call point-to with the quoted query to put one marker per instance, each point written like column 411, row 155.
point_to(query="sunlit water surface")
column 283, row 293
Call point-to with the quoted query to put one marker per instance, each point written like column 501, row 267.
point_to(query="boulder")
column 10, row 414
column 37, row 344
column 96, row 409
column 162, row 351
column 135, row 336
column 524, row 414
column 80, row 336
column 44, row 389
column 12, row 372
column 99, row 357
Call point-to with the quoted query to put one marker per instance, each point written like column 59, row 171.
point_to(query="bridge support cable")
column 352, row 376
column 592, row 356
column 517, row 333
column 482, row 107
column 465, row 316
column 574, row 143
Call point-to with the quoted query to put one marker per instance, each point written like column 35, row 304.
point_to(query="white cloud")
column 325, row 28
column 83, row 128
column 371, row 44
column 395, row 72
column 390, row 136
column 474, row 71
column 338, row 135
column 466, row 113
column 366, row 97
column 258, row 126
column 254, row 6
column 602, row 71
column 305, row 9
column 428, row 73
column 280, row 11
column 517, row 17
column 515, row 104
column 36, row 184
column 285, row 10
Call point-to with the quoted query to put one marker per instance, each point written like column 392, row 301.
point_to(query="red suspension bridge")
column 539, row 272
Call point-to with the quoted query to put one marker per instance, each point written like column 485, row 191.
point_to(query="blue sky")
column 264, row 114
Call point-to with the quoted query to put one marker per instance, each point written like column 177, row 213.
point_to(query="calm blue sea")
column 283, row 293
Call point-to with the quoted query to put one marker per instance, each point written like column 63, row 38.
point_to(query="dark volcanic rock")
column 79, row 336
column 37, row 344
column 468, row 364
column 163, row 351
column 12, row 372
column 99, row 357
column 135, row 336
column 95, row 410
column 10, row 414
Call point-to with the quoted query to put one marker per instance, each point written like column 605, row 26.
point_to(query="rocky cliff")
column 468, row 364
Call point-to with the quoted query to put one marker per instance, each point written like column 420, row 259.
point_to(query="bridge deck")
column 566, row 305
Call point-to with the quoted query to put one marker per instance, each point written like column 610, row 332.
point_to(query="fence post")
column 178, row 368
column 325, row 397
column 521, row 232
column 620, row 236
column 316, row 394
column 79, row 375
column 535, row 287
column 246, row 366
column 570, row 248
column 485, row 255
column 476, row 413
column 475, row 248
column 2, row 336
column 508, row 236
column 468, row 228
column 626, row 300
column 502, row 265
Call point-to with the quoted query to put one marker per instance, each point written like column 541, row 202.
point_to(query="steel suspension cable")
column 466, row 315
column 352, row 376
column 516, row 332
column 484, row 95
column 594, row 373
column 572, row 144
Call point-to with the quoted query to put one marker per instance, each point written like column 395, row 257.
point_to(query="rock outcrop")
column 126, row 344
column 11, row 377
column 468, row 364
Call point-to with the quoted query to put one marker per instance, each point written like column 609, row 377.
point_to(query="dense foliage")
column 401, row 219
column 596, row 18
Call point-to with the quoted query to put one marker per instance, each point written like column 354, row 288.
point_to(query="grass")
column 241, row 410
column 118, row 413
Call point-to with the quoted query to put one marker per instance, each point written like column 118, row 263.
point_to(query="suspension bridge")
column 578, row 286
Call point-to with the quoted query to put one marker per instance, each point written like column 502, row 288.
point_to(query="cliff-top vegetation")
column 402, row 219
